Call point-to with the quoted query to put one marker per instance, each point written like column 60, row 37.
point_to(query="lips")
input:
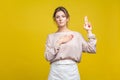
column 60, row 22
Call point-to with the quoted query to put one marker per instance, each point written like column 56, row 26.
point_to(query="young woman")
column 64, row 47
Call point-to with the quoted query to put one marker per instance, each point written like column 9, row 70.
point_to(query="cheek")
column 66, row 20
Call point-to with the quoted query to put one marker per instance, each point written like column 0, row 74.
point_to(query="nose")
column 60, row 19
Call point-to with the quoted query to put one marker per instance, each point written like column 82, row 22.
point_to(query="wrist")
column 89, row 31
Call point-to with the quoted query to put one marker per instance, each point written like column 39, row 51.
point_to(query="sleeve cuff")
column 57, row 48
column 91, row 36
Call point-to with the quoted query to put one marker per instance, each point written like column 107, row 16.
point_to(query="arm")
column 90, row 45
column 50, row 50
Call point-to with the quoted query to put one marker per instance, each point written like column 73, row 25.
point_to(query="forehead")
column 60, row 13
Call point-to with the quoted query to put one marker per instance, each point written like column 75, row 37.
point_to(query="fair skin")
column 61, row 21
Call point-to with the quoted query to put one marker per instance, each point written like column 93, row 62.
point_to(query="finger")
column 70, row 36
column 85, row 26
column 86, row 20
column 90, row 26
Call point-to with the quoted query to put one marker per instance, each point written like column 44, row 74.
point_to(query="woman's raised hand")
column 87, row 24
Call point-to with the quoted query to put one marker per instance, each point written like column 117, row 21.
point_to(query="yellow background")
column 24, row 25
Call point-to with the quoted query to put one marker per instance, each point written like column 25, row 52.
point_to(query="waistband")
column 64, row 62
column 62, row 59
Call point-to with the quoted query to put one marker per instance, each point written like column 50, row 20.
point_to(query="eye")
column 63, row 16
column 57, row 16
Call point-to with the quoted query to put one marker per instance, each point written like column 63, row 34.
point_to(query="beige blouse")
column 71, row 50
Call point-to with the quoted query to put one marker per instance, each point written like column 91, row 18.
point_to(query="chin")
column 61, row 25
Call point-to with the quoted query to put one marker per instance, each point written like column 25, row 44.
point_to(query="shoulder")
column 50, row 35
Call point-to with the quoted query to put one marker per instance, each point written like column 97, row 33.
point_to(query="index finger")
column 86, row 20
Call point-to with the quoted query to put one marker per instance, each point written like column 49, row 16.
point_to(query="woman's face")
column 61, row 19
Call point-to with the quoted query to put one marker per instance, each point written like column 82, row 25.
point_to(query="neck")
column 63, row 29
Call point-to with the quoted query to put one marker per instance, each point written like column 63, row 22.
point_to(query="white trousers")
column 64, row 70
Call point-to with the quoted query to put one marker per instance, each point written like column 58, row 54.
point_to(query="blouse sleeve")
column 90, row 45
column 50, row 49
